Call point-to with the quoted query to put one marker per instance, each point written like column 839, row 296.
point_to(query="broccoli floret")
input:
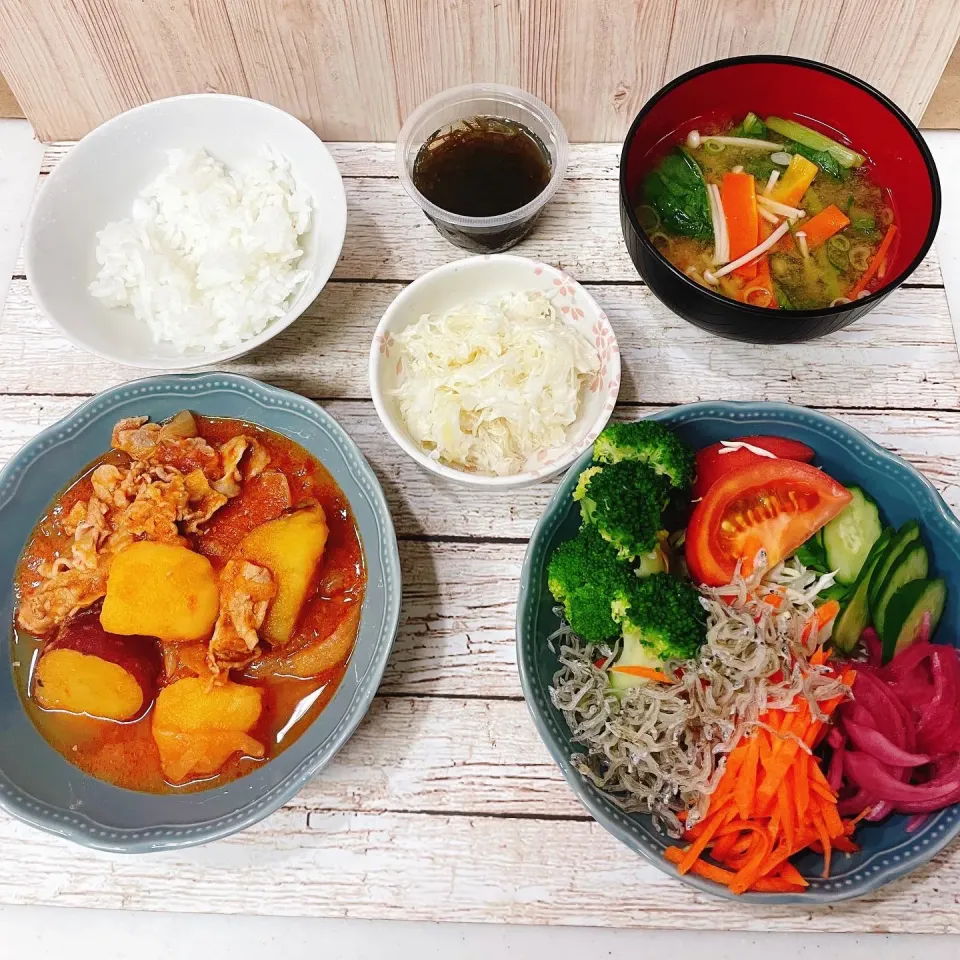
column 625, row 502
column 662, row 614
column 648, row 442
column 585, row 574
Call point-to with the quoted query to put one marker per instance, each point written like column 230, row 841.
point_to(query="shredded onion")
column 485, row 386
column 899, row 739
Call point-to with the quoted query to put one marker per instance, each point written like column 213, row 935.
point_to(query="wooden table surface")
column 445, row 805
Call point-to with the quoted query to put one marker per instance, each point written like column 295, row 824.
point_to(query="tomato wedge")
column 775, row 505
column 712, row 464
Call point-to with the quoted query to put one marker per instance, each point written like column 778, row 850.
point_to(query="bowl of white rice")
column 186, row 232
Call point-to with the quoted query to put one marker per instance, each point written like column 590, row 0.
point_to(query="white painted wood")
column 445, row 805
column 20, row 158
column 388, row 238
column 587, row 161
column 436, row 867
column 903, row 354
column 444, row 756
column 424, row 506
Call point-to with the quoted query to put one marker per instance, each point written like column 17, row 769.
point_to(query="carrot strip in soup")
column 759, row 292
column 739, row 195
column 824, row 225
column 874, row 264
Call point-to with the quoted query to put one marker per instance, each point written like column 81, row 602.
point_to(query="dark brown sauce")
column 483, row 167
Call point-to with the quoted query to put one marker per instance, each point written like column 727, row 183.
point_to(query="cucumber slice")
column 913, row 565
column 855, row 616
column 902, row 540
column 905, row 613
column 848, row 537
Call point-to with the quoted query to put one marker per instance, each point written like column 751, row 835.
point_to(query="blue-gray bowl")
column 39, row 786
column 888, row 851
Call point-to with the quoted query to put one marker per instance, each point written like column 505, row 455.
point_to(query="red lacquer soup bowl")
column 831, row 101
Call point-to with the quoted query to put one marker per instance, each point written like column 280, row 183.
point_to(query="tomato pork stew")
column 188, row 605
column 766, row 638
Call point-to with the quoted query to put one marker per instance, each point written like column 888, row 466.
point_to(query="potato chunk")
column 87, row 670
column 197, row 728
column 161, row 590
column 291, row 548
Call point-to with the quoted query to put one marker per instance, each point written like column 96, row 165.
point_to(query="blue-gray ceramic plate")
column 41, row 788
column 888, row 851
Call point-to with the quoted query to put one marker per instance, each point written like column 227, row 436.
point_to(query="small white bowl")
column 98, row 180
column 483, row 278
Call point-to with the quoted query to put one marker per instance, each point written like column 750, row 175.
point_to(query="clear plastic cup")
column 483, row 234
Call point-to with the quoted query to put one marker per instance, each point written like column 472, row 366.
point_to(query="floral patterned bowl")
column 482, row 278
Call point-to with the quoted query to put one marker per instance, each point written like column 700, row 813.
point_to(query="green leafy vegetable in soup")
column 677, row 192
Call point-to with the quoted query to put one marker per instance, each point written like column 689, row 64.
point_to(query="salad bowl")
column 888, row 851
column 39, row 786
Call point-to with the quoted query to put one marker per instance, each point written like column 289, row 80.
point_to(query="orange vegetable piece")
column 738, row 191
column 798, row 176
column 824, row 225
column 878, row 258
column 161, row 590
column 647, row 673
column 197, row 728
column 82, row 683
column 821, row 617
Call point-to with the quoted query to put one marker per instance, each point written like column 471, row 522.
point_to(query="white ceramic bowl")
column 98, row 181
column 482, row 278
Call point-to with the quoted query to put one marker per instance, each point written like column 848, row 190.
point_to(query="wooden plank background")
column 445, row 805
column 354, row 70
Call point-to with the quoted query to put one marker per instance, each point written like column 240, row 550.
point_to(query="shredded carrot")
column 739, row 195
column 821, row 617
column 874, row 264
column 775, row 885
column 772, row 802
column 791, row 874
column 648, row 673
column 824, row 225
column 701, row 867
column 745, row 790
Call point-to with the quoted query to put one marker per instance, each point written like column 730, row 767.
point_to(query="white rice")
column 209, row 256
